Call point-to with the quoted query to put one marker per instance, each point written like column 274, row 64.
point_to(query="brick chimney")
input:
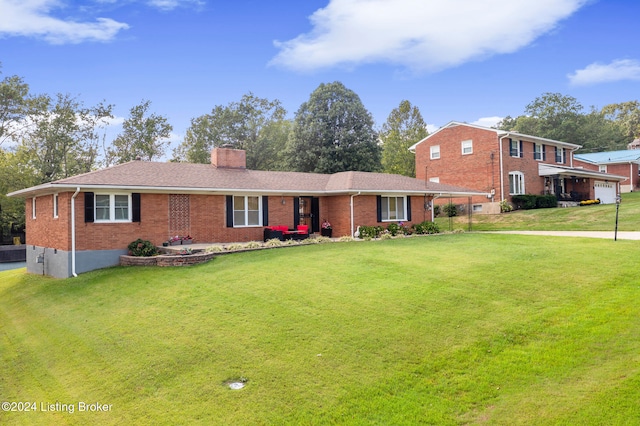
column 226, row 156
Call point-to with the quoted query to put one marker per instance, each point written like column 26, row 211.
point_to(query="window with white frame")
column 515, row 148
column 393, row 208
column 516, row 183
column 603, row 168
column 467, row 147
column 434, row 152
column 246, row 211
column 33, row 208
column 55, row 205
column 560, row 155
column 112, row 208
column 434, row 179
column 538, row 151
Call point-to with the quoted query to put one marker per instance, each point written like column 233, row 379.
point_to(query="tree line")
column 44, row 138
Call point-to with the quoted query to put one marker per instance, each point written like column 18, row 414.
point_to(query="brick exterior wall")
column 481, row 169
column 207, row 220
column 623, row 169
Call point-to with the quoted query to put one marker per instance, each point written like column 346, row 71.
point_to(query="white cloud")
column 419, row 34
column 621, row 69
column 33, row 18
column 487, row 121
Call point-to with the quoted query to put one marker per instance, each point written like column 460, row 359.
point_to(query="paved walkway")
column 626, row 235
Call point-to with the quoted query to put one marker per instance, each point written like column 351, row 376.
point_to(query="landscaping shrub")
column 426, row 228
column 505, row 207
column 450, row 210
column 394, row 229
column 142, row 248
column 370, row 231
column 546, row 201
column 436, row 210
column 530, row 201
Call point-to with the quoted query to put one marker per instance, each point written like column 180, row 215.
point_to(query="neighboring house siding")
column 527, row 165
column 621, row 169
column 479, row 170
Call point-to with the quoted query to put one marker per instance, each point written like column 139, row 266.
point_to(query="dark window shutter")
column 135, row 208
column 88, row 207
column 296, row 212
column 544, row 153
column 379, row 207
column 521, row 149
column 512, row 152
column 229, row 211
column 564, row 157
column 409, row 209
column 265, row 210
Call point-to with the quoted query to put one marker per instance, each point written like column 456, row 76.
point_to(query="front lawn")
column 446, row 329
column 586, row 218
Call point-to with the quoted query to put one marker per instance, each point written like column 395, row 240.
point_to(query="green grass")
column 587, row 218
column 448, row 329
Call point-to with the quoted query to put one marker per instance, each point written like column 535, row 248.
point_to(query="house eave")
column 551, row 170
column 52, row 188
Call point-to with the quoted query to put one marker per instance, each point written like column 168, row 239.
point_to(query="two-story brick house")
column 85, row 222
column 504, row 164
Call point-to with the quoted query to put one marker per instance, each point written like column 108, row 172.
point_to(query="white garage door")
column 605, row 192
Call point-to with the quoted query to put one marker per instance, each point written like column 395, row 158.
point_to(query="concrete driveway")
column 584, row 234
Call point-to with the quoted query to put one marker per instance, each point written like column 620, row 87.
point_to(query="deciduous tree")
column 254, row 124
column 63, row 138
column 403, row 128
column 144, row 136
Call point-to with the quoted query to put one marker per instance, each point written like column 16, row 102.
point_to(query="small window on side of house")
column 467, row 147
column 603, row 168
column 434, row 152
column 33, row 208
column 434, row 179
column 55, row 206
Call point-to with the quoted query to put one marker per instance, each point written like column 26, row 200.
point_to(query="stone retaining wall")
column 166, row 260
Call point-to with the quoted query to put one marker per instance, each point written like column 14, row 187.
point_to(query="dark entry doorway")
column 306, row 211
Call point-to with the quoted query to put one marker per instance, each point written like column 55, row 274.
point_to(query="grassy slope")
column 443, row 329
column 588, row 218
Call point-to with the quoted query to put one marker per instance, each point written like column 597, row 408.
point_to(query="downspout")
column 73, row 232
column 502, row 169
column 351, row 206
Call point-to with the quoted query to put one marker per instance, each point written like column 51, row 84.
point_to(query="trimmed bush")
column 530, row 201
column 370, row 231
column 142, row 248
column 426, row 228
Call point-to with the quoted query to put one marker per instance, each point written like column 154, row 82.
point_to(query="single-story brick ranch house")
column 505, row 163
column 85, row 222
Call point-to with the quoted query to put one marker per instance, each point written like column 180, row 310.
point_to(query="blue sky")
column 463, row 60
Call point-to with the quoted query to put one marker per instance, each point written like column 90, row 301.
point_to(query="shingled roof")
column 144, row 176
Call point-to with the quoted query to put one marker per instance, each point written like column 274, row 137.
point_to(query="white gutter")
column 351, row 206
column 73, row 232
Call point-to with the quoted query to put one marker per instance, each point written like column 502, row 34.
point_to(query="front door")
column 309, row 213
